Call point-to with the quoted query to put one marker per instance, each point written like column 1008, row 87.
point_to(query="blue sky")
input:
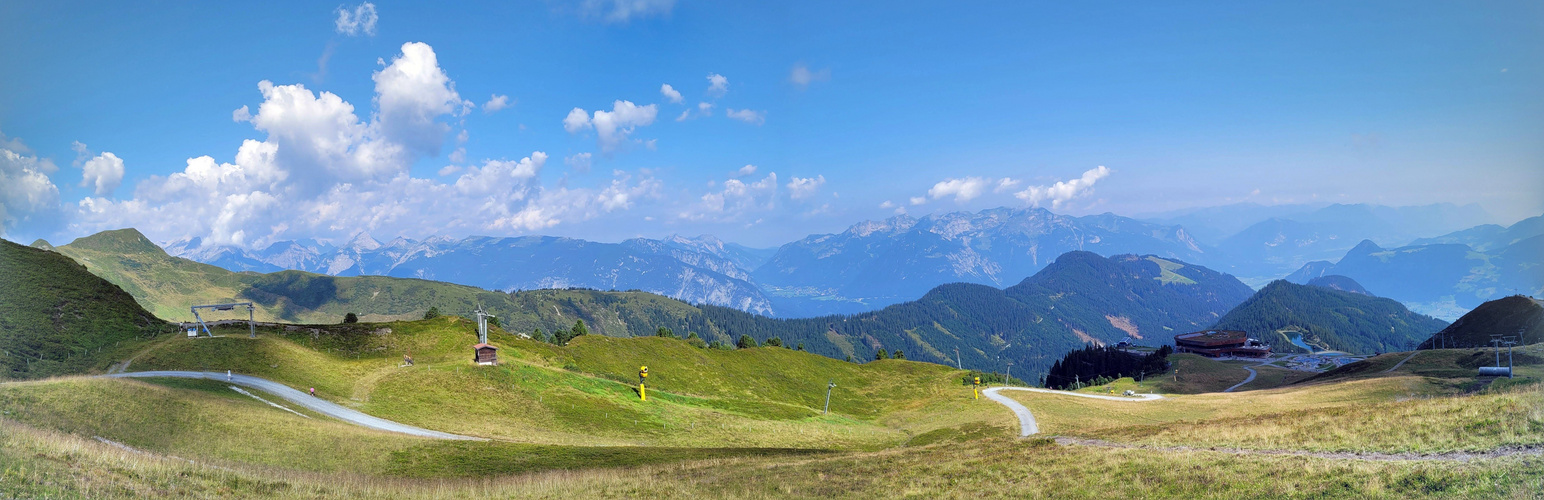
column 846, row 112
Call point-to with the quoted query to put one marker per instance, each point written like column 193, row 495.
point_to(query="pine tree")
column 881, row 354
column 350, row 318
column 899, row 355
column 746, row 342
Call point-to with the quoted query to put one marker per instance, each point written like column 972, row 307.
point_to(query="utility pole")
column 1509, row 344
column 1009, row 381
column 957, row 364
column 829, row 385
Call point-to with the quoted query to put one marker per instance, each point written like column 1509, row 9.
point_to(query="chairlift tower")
column 251, row 315
column 482, row 353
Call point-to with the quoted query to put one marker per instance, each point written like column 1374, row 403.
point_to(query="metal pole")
column 957, row 364
column 252, row 320
column 829, row 385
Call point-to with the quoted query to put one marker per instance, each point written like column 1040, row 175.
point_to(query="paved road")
column 1027, row 425
column 1248, row 379
column 310, row 402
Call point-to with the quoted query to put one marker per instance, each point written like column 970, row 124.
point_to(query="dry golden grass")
column 36, row 463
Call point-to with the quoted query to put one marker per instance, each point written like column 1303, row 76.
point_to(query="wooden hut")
column 485, row 354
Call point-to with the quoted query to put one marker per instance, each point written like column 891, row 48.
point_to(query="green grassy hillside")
column 1069, row 303
column 584, row 393
column 1329, row 319
column 1517, row 315
column 56, row 318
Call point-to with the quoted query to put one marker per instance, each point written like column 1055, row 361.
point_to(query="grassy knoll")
column 38, row 463
column 56, row 318
column 585, row 393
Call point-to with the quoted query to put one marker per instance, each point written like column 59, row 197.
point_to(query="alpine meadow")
column 686, row 249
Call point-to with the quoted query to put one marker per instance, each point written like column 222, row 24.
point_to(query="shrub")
column 899, row 355
column 433, row 312
column 881, row 354
column 746, row 342
column 774, row 342
column 351, row 318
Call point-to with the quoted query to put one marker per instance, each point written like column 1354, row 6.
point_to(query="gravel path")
column 1027, row 425
column 1402, row 362
column 1248, row 379
column 310, row 402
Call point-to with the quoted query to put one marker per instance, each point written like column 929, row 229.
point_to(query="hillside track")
column 1027, row 424
column 307, row 401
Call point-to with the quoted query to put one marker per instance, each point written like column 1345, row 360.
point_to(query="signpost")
column 643, row 373
column 976, row 388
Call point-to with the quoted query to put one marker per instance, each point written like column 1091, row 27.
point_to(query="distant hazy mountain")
column 1338, row 282
column 1210, row 225
column 875, row 263
column 1076, row 299
column 1490, row 236
column 1277, row 246
column 1328, row 319
column 698, row 270
column 1515, row 315
column 1439, row 279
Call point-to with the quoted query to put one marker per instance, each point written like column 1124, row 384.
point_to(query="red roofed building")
column 486, row 354
column 1220, row 343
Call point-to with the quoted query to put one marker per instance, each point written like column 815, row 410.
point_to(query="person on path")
column 313, row 391
column 227, row 375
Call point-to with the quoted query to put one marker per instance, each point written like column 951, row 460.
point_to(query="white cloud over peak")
column 917, row 200
column 746, row 115
column 734, row 200
column 103, row 173
column 360, row 19
column 670, row 93
column 28, row 198
column 718, row 85
column 611, row 127
column 804, row 187
column 495, row 103
column 1063, row 191
column 963, row 190
column 410, row 94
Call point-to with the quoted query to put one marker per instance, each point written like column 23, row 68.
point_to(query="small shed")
column 485, row 354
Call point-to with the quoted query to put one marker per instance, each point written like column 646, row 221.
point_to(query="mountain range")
column 873, row 264
column 1446, row 276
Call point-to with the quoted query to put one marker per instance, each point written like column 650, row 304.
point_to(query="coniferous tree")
column 881, row 354
column 899, row 355
column 746, row 342
column 433, row 312
column 350, row 318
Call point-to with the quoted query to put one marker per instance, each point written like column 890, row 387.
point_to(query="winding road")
column 310, row 402
column 1027, row 425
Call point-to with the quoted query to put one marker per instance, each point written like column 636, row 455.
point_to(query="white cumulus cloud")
column 28, row 197
column 735, row 200
column 579, row 162
column 1063, row 191
column 611, row 127
column 411, row 94
column 963, row 190
column 748, row 116
column 495, row 103
column 670, row 93
column 103, row 173
column 360, row 19
column 804, row 187
column 718, row 85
